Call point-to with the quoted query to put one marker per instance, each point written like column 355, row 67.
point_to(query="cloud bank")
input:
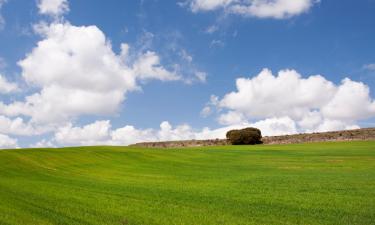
column 101, row 132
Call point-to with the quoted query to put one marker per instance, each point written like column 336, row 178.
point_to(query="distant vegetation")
column 344, row 135
column 320, row 183
column 247, row 136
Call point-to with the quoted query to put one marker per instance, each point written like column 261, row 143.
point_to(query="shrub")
column 247, row 136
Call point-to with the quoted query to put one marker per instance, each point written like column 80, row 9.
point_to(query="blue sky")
column 184, row 60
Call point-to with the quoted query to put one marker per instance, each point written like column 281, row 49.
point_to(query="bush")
column 247, row 136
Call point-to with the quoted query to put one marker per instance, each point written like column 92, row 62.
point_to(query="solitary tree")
column 247, row 136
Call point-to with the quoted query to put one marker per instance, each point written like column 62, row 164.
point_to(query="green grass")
column 323, row 183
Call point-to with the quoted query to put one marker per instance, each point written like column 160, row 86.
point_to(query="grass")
column 321, row 183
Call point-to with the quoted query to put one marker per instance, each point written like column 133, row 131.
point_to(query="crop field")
column 320, row 183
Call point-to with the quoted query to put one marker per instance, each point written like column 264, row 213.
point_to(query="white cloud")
column 148, row 66
column 7, row 87
column 206, row 111
column 231, row 117
column 55, row 8
column 212, row 29
column 207, row 5
column 351, row 102
column 277, row 9
column 266, row 95
column 7, row 142
column 17, row 126
column 130, row 135
column 276, row 126
column 200, row 76
column 370, row 67
column 313, row 103
column 78, row 73
column 2, row 21
column 91, row 134
column 217, row 43
column 186, row 56
column 332, row 125
column 100, row 132
column 43, row 144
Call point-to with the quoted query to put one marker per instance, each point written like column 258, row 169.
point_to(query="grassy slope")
column 328, row 183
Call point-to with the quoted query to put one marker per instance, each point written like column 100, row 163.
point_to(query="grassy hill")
column 320, row 183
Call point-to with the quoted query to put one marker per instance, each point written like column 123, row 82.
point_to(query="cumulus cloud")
column 7, row 142
column 277, row 9
column 77, row 73
column 18, row 126
column 74, row 72
column 313, row 103
column 231, row 117
column 7, row 87
column 54, row 8
column 91, row 134
column 351, row 102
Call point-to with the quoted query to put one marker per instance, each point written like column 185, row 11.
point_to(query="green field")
column 323, row 183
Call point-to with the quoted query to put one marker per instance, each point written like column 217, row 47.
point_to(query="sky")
column 94, row 72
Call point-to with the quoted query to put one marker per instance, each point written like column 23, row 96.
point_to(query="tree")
column 247, row 136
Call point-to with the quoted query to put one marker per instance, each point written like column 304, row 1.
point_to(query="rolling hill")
column 316, row 183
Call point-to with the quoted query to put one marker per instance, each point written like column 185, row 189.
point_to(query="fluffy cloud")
column 7, row 87
column 53, row 8
column 313, row 103
column 7, row 142
column 266, row 95
column 351, row 102
column 17, row 126
column 78, row 73
column 74, row 72
column 277, row 9
column 148, row 67
column 92, row 134
column 231, row 117
column 276, row 126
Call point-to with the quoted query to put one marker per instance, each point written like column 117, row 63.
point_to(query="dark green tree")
column 247, row 136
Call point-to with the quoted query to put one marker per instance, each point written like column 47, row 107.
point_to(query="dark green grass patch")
column 322, row 183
